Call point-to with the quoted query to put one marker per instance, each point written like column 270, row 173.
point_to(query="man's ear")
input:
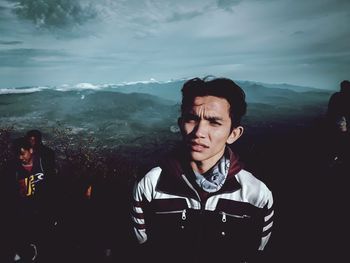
column 31, row 150
column 235, row 134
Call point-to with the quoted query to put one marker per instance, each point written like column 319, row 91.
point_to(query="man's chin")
column 196, row 156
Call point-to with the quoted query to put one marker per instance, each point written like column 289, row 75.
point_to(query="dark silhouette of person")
column 28, row 194
column 35, row 139
column 328, row 174
column 338, row 139
column 339, row 106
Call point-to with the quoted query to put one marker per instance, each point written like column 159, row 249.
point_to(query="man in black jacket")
column 200, row 204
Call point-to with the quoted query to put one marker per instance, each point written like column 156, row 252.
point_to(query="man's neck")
column 204, row 166
column 199, row 167
column 28, row 166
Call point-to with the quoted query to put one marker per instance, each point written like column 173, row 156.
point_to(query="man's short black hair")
column 20, row 143
column 218, row 87
column 34, row 133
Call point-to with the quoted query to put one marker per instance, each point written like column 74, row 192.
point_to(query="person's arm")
column 268, row 220
column 10, row 192
column 138, row 217
column 142, row 196
column 48, row 196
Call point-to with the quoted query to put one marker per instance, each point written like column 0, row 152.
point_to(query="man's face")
column 26, row 155
column 341, row 124
column 206, row 128
column 32, row 141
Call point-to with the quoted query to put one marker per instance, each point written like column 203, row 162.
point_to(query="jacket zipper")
column 175, row 212
column 232, row 215
column 190, row 185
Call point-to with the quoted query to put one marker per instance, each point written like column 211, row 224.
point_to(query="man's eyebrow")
column 213, row 118
column 209, row 118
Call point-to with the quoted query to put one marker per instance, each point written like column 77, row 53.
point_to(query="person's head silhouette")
column 345, row 86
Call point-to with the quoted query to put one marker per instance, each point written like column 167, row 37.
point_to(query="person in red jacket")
column 28, row 192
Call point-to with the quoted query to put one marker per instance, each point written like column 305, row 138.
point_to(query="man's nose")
column 201, row 129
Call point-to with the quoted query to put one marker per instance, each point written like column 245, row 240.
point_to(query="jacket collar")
column 177, row 165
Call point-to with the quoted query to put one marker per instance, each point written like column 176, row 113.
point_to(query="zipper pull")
column 183, row 215
column 223, row 217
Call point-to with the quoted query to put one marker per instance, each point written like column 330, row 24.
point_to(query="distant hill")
column 255, row 91
column 286, row 86
column 104, row 114
column 168, row 90
column 279, row 99
column 118, row 114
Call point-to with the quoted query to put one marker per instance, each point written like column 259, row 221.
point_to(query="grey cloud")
column 183, row 16
column 23, row 57
column 310, row 10
column 228, row 4
column 298, row 33
column 54, row 13
column 14, row 42
column 4, row 11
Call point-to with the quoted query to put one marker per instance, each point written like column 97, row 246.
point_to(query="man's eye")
column 215, row 123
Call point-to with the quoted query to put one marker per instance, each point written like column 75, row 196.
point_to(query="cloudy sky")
column 55, row 42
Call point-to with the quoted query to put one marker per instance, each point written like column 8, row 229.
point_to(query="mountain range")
column 121, row 114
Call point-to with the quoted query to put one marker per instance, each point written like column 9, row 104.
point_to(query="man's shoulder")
column 46, row 150
column 253, row 185
column 151, row 175
column 254, row 190
column 336, row 94
column 170, row 167
column 247, row 176
column 154, row 172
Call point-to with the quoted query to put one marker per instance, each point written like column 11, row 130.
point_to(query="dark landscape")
column 109, row 136
column 145, row 114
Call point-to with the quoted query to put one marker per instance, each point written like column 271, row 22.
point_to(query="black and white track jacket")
column 171, row 214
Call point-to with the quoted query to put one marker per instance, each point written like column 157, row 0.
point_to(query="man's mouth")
column 197, row 146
